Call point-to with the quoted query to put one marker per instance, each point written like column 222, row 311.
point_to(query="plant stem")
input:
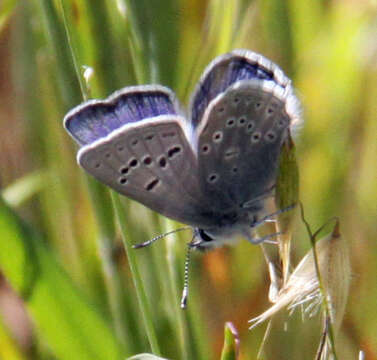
column 140, row 292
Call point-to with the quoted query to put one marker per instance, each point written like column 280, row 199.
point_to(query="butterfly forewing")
column 96, row 119
column 151, row 163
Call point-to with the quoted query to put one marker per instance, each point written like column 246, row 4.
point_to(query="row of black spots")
column 269, row 109
column 148, row 161
column 132, row 164
column 217, row 136
column 149, row 186
column 236, row 101
column 270, row 136
column 251, row 101
column 135, row 141
column 232, row 122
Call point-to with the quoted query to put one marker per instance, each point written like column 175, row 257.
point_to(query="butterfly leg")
column 264, row 239
column 268, row 218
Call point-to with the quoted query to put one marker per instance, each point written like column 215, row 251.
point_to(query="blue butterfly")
column 212, row 169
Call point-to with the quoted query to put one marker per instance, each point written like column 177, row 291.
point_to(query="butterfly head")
column 210, row 238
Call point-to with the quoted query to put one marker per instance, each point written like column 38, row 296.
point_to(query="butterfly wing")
column 228, row 69
column 241, row 112
column 135, row 142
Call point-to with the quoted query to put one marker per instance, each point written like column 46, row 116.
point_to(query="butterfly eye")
column 256, row 137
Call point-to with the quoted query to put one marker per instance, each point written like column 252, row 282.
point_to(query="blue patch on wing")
column 95, row 120
column 223, row 75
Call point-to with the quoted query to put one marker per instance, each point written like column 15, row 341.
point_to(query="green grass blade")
column 231, row 343
column 69, row 323
column 138, row 283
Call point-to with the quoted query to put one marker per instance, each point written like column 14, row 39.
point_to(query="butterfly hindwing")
column 240, row 139
column 226, row 70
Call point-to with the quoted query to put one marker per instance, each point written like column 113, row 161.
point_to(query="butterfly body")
column 212, row 171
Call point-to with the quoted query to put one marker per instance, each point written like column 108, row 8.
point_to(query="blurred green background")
column 66, row 289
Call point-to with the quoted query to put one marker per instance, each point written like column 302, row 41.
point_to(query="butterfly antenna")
column 147, row 243
column 186, row 278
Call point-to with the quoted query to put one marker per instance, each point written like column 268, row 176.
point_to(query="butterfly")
column 212, row 169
